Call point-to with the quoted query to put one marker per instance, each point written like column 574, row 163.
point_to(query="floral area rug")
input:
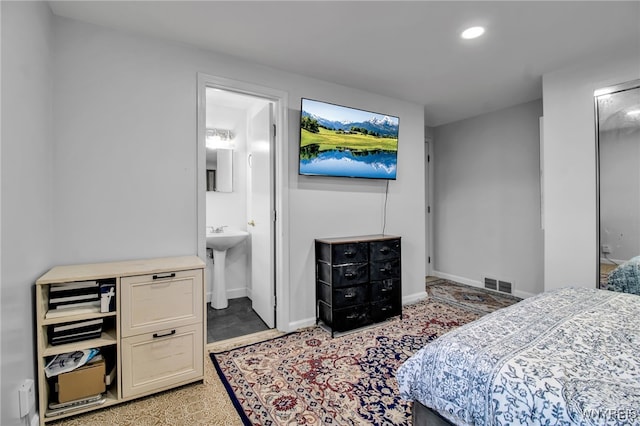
column 309, row 378
column 472, row 298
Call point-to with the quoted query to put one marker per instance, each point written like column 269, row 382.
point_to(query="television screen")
column 341, row 141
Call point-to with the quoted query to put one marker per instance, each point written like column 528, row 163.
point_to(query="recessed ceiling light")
column 472, row 32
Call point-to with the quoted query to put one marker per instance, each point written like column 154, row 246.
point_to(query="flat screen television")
column 347, row 142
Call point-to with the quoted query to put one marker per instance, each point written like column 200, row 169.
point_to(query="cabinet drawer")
column 343, row 253
column 159, row 301
column 156, row 360
column 383, row 250
column 385, row 269
column 343, row 275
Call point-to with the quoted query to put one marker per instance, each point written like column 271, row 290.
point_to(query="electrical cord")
column 384, row 211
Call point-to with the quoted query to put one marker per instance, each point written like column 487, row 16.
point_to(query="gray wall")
column 569, row 163
column 486, row 201
column 27, row 196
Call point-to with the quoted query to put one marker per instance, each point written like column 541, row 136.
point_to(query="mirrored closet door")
column 617, row 111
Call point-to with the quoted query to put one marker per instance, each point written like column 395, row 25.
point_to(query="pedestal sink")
column 220, row 242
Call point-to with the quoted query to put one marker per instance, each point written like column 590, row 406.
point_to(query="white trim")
column 297, row 325
column 414, row 298
column 280, row 99
column 478, row 284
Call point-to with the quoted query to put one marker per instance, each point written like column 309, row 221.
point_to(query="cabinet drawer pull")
column 349, row 253
column 157, row 336
column 385, row 250
column 352, row 316
column 349, row 295
column 385, row 289
column 164, row 276
column 349, row 275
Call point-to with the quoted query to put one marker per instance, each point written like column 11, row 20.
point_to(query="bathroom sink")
column 226, row 239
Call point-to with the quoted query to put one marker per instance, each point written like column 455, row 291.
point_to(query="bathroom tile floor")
column 236, row 320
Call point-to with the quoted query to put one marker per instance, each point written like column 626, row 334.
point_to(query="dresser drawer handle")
column 349, row 253
column 164, row 276
column 385, row 289
column 385, row 250
column 349, row 275
column 352, row 316
column 157, row 336
column 349, row 295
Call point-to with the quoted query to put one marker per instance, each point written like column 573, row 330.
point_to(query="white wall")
column 125, row 183
column 27, row 190
column 569, row 162
column 487, row 199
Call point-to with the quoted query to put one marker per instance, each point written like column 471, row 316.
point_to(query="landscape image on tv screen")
column 341, row 141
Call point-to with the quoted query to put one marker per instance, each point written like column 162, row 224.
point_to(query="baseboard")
column 473, row 283
column 413, row 298
column 296, row 325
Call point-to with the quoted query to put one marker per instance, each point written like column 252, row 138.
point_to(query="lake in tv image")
column 341, row 141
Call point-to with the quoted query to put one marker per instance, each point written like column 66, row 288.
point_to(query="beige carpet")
column 196, row 404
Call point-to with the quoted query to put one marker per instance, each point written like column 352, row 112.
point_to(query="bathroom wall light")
column 219, row 138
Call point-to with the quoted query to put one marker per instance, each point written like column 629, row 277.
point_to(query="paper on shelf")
column 69, row 361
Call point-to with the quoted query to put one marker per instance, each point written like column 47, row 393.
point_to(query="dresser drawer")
column 386, row 290
column 343, row 275
column 380, row 311
column 385, row 269
column 383, row 250
column 157, row 360
column 159, row 301
column 345, row 319
column 343, row 253
column 344, row 296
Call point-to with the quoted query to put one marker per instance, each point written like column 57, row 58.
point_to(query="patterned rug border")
column 232, row 395
column 225, row 382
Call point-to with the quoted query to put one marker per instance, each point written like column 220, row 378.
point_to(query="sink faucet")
column 219, row 229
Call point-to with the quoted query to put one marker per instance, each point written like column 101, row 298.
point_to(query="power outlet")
column 606, row 249
column 26, row 397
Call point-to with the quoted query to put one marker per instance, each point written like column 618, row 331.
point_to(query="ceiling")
column 405, row 50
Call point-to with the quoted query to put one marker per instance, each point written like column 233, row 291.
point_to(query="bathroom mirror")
column 617, row 116
column 220, row 169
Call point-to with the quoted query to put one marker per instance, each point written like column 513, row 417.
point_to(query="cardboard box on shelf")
column 82, row 382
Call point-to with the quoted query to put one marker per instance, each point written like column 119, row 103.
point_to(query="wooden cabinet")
column 152, row 339
column 358, row 281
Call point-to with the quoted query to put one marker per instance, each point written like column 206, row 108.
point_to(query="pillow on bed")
column 626, row 277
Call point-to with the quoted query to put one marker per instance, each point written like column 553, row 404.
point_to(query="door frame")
column 278, row 194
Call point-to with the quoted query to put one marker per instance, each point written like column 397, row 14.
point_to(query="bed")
column 626, row 277
column 566, row 357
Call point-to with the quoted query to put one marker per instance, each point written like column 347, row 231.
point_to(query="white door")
column 260, row 213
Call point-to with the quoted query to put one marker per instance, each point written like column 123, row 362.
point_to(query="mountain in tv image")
column 384, row 126
column 366, row 148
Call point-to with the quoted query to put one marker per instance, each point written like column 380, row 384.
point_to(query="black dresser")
column 358, row 281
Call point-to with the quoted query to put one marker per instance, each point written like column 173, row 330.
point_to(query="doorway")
column 253, row 277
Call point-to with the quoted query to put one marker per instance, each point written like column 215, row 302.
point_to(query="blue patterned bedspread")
column 565, row 357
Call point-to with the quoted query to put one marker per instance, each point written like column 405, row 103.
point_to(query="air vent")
column 490, row 283
column 505, row 287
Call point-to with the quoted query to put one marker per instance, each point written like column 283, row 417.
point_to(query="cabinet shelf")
column 111, row 399
column 107, row 338
column 80, row 317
